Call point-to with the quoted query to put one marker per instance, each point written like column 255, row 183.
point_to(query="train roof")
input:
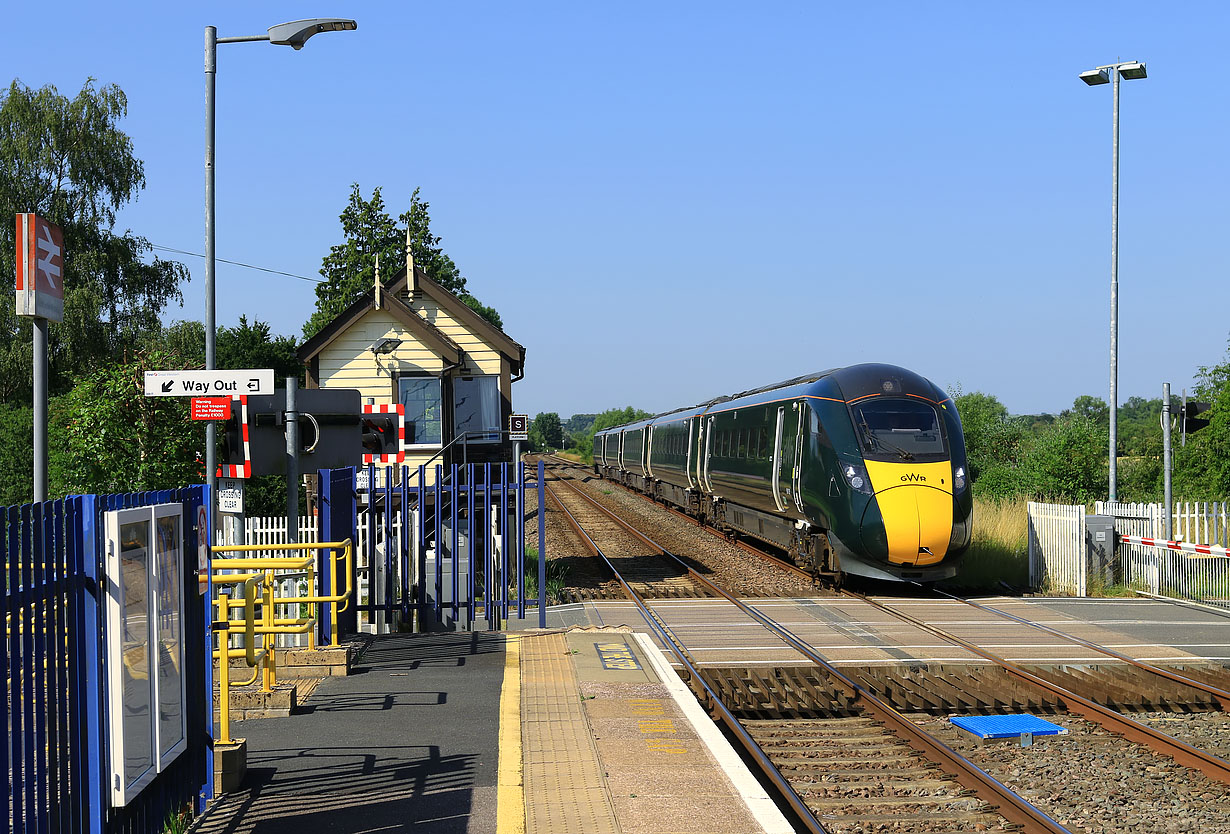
column 854, row 382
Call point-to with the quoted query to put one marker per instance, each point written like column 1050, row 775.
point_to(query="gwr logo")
column 914, row 476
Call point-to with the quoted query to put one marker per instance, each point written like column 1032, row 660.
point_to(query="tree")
column 1090, row 408
column 113, row 438
column 349, row 269
column 607, row 419
column 1202, row 467
column 68, row 161
column 992, row 442
column 1066, row 461
column 546, row 432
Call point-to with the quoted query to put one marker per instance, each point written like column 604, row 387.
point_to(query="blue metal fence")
column 463, row 505
column 56, row 757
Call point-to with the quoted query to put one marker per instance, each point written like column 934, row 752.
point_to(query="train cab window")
column 898, row 429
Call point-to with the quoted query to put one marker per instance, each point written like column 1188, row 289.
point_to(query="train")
column 853, row 471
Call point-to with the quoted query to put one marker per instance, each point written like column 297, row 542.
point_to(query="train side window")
column 741, row 449
column 765, row 451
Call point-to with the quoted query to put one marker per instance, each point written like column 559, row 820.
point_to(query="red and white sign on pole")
column 40, row 268
column 211, row 408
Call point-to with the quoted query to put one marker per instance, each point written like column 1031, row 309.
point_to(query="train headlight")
column 856, row 477
column 958, row 478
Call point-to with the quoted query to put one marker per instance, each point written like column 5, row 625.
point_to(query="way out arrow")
column 168, row 385
column 254, row 385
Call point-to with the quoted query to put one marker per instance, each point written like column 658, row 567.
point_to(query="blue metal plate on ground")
column 1006, row 726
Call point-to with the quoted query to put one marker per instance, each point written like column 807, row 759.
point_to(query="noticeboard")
column 144, row 638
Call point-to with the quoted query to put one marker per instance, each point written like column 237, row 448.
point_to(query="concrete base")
column 250, row 702
column 317, row 663
column 230, row 766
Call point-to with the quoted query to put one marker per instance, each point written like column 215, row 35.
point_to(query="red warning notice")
column 211, row 408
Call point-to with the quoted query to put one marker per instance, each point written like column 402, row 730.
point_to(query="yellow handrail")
column 265, row 565
column 224, row 652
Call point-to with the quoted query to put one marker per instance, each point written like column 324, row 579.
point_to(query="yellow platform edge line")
column 510, row 790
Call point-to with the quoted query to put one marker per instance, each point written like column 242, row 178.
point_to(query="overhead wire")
column 239, row 263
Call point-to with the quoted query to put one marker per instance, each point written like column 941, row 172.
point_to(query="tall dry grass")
column 1000, row 549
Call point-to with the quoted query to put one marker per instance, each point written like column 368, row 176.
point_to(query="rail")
column 1009, row 805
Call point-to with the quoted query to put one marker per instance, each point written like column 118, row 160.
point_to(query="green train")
column 858, row 470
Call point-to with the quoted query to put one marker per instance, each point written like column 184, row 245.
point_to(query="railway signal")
column 1192, row 421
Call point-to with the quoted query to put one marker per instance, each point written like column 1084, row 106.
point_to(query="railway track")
column 863, row 763
column 1142, row 686
column 802, row 718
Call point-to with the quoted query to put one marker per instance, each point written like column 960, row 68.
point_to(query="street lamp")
column 1131, row 70
column 293, row 34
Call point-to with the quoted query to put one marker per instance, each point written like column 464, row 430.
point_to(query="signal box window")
column 476, row 408
column 422, row 399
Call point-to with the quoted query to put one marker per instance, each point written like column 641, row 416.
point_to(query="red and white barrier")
column 1185, row 547
column 244, row 470
column 400, row 455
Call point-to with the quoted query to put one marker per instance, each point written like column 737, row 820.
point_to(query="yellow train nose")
column 915, row 501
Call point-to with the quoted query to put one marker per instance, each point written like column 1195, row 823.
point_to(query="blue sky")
column 667, row 202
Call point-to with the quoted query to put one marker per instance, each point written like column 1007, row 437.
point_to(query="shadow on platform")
column 410, row 745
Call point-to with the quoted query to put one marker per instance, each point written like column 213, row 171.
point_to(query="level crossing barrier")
column 1198, row 572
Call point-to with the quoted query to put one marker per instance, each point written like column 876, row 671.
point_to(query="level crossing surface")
column 847, row 631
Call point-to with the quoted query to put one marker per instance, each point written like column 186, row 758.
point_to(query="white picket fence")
column 1058, row 559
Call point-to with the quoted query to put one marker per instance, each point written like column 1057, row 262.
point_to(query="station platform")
column 531, row 732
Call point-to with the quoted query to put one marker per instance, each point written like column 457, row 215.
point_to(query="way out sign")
column 216, row 383
column 40, row 268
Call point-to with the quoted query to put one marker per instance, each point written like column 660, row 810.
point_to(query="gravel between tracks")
column 1089, row 780
column 1093, row 781
column 736, row 570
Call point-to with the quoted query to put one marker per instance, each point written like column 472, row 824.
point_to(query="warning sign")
column 211, row 408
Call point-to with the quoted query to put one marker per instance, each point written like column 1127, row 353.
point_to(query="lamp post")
column 1130, row 70
column 293, row 34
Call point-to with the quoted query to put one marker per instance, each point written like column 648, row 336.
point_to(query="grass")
column 557, row 573
column 1000, row 549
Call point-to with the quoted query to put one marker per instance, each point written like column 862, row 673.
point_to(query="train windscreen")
column 899, row 429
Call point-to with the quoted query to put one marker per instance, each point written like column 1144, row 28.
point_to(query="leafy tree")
column 113, row 438
column 17, row 454
column 349, row 269
column 1066, row 461
column 1202, row 467
column 68, row 161
column 607, row 419
column 1090, row 408
column 546, row 432
column 992, row 442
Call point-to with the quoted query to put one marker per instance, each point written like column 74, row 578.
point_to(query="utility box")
column 444, row 568
column 1100, row 547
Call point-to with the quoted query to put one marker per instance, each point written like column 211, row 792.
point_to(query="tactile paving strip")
column 564, row 789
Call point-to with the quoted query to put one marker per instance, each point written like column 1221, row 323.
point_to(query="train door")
column 708, row 453
column 621, row 450
column 687, row 464
column 649, row 451
column 787, row 456
column 778, row 437
column 796, row 477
